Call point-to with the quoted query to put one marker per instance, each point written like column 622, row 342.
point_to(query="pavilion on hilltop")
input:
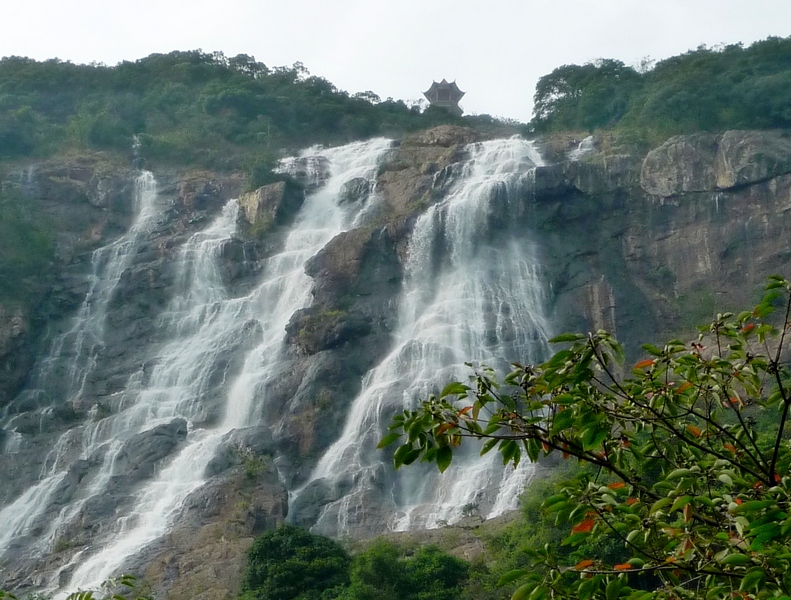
column 445, row 95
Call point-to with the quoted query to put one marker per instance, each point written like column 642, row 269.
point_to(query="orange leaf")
column 443, row 428
column 687, row 513
column 631, row 501
column 545, row 446
column 730, row 447
column 684, row 387
column 465, row 410
column 644, row 363
column 777, row 478
column 583, row 526
column 738, row 500
column 748, row 328
column 616, row 485
column 583, row 564
column 670, row 559
column 622, row 567
column 694, row 430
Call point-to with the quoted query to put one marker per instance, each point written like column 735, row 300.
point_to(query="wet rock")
column 141, row 453
column 239, row 445
column 355, row 190
column 311, row 172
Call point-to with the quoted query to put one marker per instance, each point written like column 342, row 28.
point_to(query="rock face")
column 644, row 246
column 706, row 162
column 270, row 205
column 651, row 261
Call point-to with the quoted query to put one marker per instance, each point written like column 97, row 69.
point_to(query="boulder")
column 141, row 453
column 355, row 190
column 746, row 157
column 682, row 164
column 270, row 204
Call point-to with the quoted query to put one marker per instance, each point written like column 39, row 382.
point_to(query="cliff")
column 646, row 246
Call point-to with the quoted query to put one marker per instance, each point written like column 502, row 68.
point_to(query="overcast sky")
column 495, row 49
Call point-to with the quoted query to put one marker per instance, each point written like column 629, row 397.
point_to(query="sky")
column 496, row 50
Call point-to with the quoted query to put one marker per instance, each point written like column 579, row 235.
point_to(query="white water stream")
column 471, row 293
column 72, row 358
column 204, row 322
column 465, row 299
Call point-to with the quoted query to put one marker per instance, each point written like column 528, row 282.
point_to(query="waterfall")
column 204, row 321
column 470, row 292
column 469, row 295
column 71, row 359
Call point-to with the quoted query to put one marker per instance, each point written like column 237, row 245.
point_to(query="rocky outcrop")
column 747, row 157
column 707, row 162
column 270, row 204
column 652, row 261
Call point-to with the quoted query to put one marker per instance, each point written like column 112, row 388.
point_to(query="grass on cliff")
column 26, row 246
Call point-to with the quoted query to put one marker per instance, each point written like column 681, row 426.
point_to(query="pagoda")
column 445, row 95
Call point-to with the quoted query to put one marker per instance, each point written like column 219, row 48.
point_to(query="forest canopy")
column 707, row 89
column 193, row 107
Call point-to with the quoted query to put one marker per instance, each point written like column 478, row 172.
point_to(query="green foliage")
column 689, row 454
column 383, row 572
column 728, row 87
column 26, row 245
column 291, row 562
column 191, row 108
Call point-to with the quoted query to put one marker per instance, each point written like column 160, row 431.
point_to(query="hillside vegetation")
column 187, row 108
column 708, row 89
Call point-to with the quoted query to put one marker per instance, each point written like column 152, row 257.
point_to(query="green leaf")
column 444, row 457
column 736, row 560
column 488, row 446
column 562, row 421
column 511, row 576
column 678, row 474
column 753, row 506
column 593, row 437
column 454, row 389
column 388, row 439
column 523, row 590
column 567, row 337
column 651, row 349
column 753, row 579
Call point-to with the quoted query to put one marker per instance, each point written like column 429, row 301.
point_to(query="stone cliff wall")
column 692, row 229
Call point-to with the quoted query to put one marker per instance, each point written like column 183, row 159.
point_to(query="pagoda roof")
column 457, row 93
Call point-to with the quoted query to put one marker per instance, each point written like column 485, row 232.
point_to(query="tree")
column 690, row 456
column 382, row 572
column 290, row 562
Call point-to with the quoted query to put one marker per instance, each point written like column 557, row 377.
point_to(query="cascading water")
column 467, row 297
column 205, row 322
column 72, row 357
column 468, row 294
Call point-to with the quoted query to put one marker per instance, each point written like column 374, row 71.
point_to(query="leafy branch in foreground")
column 690, row 453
